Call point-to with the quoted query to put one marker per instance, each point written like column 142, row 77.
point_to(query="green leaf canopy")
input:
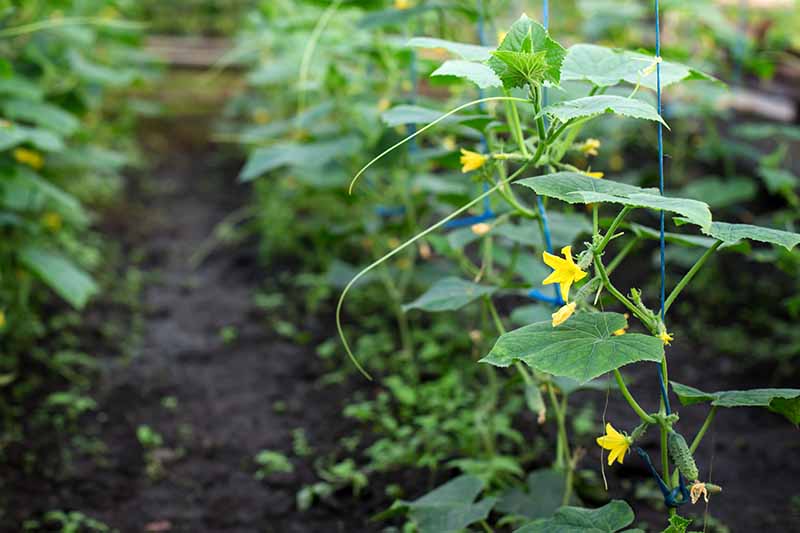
column 60, row 274
column 609, row 518
column 730, row 233
column 782, row 401
column 573, row 187
column 592, row 106
column 528, row 37
column 451, row 507
column 449, row 294
column 582, row 348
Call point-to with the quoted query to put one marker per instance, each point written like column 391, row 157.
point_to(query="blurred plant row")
column 365, row 76
column 64, row 139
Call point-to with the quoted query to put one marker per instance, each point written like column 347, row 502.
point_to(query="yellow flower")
column 616, row 443
column 698, row 489
column 402, row 4
column 623, row 330
column 449, row 143
column 595, row 175
column 563, row 314
column 665, row 337
column 480, row 229
column 2, row 318
column 51, row 221
column 565, row 271
column 29, row 157
column 471, row 160
column 590, row 146
column 384, row 104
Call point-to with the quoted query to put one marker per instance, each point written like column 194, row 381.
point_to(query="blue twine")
column 670, row 496
column 487, row 214
column 389, row 210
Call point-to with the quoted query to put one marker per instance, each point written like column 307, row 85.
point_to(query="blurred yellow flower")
column 616, row 443
column 52, row 221
column 402, row 4
column 449, row 143
column 471, row 160
column 2, row 318
column 565, row 271
column 665, row 337
column 384, row 104
column 29, row 157
column 622, row 330
column 563, row 314
column 480, row 229
column 595, row 175
column 590, row 146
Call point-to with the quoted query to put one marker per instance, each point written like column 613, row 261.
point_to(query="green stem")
column 514, row 123
column 536, row 98
column 618, row 295
column 612, row 228
column 701, row 433
column 631, row 400
column 561, row 444
column 689, row 275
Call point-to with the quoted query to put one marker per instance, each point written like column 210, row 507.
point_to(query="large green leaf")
column 542, row 497
column 527, row 36
column 12, row 135
column 449, row 294
column 478, row 73
column 451, row 507
column 573, row 188
column 582, row 348
column 470, row 52
column 19, row 87
column 645, row 232
column 591, row 106
column 281, row 154
column 610, row 518
column 731, row 233
column 60, row 274
column 719, row 193
column 605, row 67
column 782, row 401
column 43, row 115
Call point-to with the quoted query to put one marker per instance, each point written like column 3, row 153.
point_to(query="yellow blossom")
column 2, row 318
column 665, row 337
column 698, row 489
column 595, row 175
column 590, row 146
column 565, row 271
column 480, row 229
column 616, row 443
column 402, row 4
column 623, row 330
column 51, row 221
column 29, row 157
column 471, row 160
column 449, row 143
column 383, row 104
column 563, row 314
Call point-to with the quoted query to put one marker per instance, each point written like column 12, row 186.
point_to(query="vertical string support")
column 661, row 239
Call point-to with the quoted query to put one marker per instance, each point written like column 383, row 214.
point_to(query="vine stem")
column 631, row 400
column 689, row 275
column 702, row 431
column 612, row 228
column 308, row 52
column 616, row 293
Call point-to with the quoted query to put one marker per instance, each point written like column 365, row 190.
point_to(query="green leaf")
column 582, row 348
column 60, row 274
column 414, row 114
column 470, row 52
column 521, row 68
column 782, row 401
column 542, row 497
column 19, row 87
column 674, row 238
column 281, row 154
column 777, row 179
column 43, row 115
column 591, row 106
column 677, row 524
column 606, row 67
column 526, row 35
column 13, row 135
column 610, row 518
column 478, row 73
column 565, row 186
column 731, row 233
column 449, row 294
column 451, row 507
column 573, row 188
